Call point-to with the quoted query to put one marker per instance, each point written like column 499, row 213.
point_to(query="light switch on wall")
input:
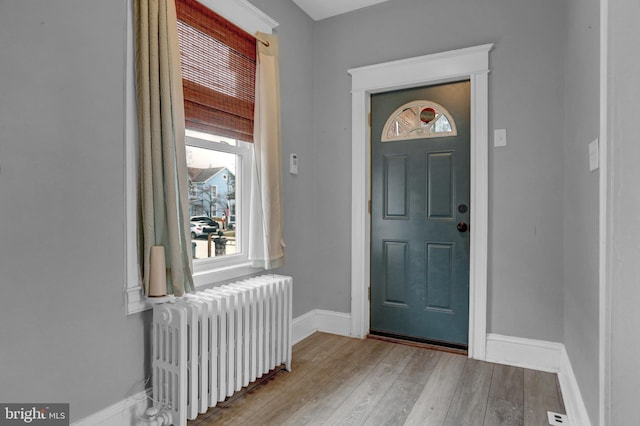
column 500, row 137
column 293, row 164
column 594, row 156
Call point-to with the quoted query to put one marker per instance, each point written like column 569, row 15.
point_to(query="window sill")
column 212, row 276
column 138, row 302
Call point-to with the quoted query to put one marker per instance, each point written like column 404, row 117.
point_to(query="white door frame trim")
column 470, row 63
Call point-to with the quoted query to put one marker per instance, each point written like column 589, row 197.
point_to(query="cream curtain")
column 163, row 214
column 266, row 245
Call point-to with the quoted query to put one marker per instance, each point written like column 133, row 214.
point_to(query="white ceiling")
column 320, row 9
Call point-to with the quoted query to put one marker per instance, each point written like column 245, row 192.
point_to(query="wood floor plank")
column 469, row 403
column 505, row 404
column 328, row 349
column 308, row 348
column 397, row 403
column 540, row 396
column 305, row 390
column 433, row 403
column 365, row 398
column 294, row 392
column 328, row 398
column 275, row 402
column 339, row 380
column 421, row 366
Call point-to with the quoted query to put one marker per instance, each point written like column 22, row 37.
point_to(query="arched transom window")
column 418, row 120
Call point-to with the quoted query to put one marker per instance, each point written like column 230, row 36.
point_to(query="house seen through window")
column 214, row 167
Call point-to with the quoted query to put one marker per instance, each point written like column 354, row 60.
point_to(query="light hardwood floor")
column 338, row 381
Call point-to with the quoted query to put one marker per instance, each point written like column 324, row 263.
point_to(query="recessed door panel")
column 395, row 186
column 439, row 267
column 440, row 185
column 395, row 260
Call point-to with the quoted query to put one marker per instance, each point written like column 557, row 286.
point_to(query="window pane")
column 418, row 120
column 212, row 200
column 442, row 125
column 211, row 138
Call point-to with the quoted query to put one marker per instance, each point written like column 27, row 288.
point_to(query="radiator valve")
column 156, row 417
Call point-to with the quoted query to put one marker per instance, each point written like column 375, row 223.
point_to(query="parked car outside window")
column 197, row 230
column 208, row 225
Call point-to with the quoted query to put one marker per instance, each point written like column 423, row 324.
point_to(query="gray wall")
column 526, row 97
column 65, row 336
column 64, row 333
column 624, row 204
column 581, row 239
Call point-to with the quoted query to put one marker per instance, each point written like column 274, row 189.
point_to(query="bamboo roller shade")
column 218, row 72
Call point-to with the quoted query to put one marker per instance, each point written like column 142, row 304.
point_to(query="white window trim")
column 473, row 64
column 243, row 14
column 207, row 271
column 250, row 19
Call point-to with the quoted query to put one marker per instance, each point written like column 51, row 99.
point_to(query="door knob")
column 462, row 227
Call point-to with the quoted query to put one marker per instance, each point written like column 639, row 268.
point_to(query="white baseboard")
column 573, row 402
column 542, row 356
column 319, row 320
column 123, row 413
column 526, row 353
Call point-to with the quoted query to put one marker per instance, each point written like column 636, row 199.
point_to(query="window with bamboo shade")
column 218, row 72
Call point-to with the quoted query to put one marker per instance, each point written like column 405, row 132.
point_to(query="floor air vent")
column 556, row 419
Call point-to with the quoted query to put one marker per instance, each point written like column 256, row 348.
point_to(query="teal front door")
column 420, row 213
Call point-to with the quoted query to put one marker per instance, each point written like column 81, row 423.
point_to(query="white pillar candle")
column 157, row 273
